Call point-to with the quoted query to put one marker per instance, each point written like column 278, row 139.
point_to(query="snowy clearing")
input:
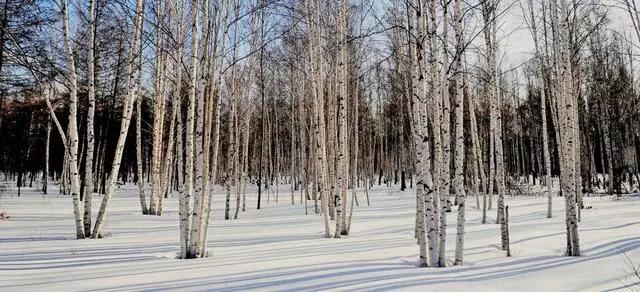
column 281, row 248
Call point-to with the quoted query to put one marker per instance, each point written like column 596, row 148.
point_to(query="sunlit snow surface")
column 281, row 248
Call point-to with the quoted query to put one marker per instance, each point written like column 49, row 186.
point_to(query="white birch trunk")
column 73, row 125
column 420, row 131
column 445, row 127
column 429, row 24
column 459, row 125
column 183, row 202
column 143, row 198
column 234, row 124
column 88, row 181
column 343, row 146
column 45, row 174
column 190, row 147
column 567, row 113
column 196, row 114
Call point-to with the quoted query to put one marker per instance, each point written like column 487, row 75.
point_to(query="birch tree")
column 429, row 25
column 343, row 147
column 72, row 128
column 88, row 172
column 187, row 210
column 459, row 130
column 140, row 171
column 567, row 113
column 424, row 193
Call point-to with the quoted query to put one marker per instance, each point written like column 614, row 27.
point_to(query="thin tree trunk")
column 143, row 199
column 45, row 175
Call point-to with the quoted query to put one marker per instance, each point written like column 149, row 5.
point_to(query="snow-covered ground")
column 281, row 248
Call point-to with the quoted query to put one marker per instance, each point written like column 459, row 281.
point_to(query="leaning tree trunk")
column 132, row 89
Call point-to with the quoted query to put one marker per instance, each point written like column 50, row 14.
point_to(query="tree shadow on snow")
column 386, row 274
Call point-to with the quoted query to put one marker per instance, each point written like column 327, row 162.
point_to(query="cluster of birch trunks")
column 430, row 86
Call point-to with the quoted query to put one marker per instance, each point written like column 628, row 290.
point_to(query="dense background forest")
column 318, row 102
